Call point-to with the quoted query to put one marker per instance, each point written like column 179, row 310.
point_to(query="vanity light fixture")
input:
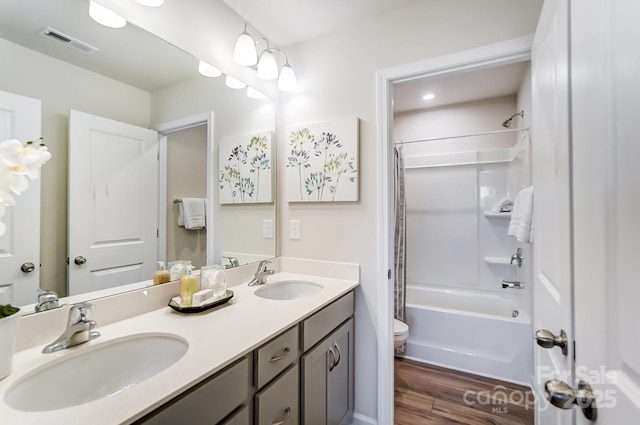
column 208, row 70
column 267, row 65
column 234, row 83
column 150, row 3
column 106, row 17
column 245, row 53
column 287, row 80
column 254, row 94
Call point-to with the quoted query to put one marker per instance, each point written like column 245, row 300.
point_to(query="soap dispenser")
column 161, row 275
column 188, row 286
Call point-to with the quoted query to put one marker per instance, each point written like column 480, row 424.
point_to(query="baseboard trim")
column 359, row 419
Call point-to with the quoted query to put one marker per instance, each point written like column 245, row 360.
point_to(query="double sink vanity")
column 276, row 353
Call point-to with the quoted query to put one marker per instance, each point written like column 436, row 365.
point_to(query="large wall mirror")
column 137, row 79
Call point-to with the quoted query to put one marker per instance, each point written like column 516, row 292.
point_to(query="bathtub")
column 484, row 334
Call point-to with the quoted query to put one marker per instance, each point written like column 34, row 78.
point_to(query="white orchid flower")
column 18, row 164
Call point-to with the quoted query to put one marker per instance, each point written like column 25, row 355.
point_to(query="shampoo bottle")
column 161, row 275
column 188, row 286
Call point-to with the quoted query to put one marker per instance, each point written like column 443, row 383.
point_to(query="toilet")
column 400, row 333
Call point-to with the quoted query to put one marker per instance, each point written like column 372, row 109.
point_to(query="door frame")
column 165, row 128
column 502, row 53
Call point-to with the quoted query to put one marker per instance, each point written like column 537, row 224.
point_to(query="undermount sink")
column 288, row 290
column 102, row 370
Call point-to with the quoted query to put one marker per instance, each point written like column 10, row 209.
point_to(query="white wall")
column 336, row 75
column 62, row 87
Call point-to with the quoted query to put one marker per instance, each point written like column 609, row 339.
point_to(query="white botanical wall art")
column 245, row 169
column 322, row 161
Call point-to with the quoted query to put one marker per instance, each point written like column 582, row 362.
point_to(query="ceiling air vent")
column 68, row 41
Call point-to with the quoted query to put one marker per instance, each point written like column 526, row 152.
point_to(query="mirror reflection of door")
column 113, row 185
column 20, row 245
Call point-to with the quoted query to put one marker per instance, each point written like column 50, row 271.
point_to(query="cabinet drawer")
column 323, row 322
column 209, row 402
column 278, row 402
column 276, row 355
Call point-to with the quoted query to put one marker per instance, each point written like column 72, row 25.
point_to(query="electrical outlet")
column 294, row 230
column 267, row 229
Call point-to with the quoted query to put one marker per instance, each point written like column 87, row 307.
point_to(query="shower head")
column 507, row 123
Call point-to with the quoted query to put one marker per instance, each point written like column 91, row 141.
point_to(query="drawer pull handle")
column 333, row 359
column 287, row 411
column 335, row 344
column 278, row 358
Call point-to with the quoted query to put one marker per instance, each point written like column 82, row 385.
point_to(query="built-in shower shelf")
column 499, row 261
column 491, row 214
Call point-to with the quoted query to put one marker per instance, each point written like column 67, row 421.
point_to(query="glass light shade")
column 151, row 3
column 267, row 67
column 254, row 94
column 106, row 17
column 287, row 80
column 234, row 83
column 244, row 53
column 208, row 70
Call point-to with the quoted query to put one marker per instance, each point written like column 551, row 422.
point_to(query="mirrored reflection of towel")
column 522, row 216
column 192, row 213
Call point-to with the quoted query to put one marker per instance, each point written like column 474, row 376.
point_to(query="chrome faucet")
column 261, row 274
column 78, row 329
column 233, row 262
column 514, row 284
column 47, row 300
column 517, row 257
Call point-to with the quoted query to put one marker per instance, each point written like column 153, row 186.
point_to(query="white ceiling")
column 457, row 88
column 285, row 22
column 128, row 54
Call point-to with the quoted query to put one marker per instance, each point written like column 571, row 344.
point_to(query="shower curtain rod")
column 432, row 139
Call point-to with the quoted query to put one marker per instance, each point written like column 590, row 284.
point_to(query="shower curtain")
column 400, row 246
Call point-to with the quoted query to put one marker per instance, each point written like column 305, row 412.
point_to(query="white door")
column 552, row 286
column 20, row 245
column 606, row 151
column 113, row 199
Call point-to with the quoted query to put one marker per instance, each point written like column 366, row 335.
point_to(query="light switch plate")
column 267, row 229
column 294, row 230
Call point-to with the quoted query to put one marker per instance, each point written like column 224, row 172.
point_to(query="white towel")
column 191, row 213
column 521, row 225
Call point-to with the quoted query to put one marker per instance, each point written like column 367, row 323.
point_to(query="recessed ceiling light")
column 429, row 96
column 106, row 17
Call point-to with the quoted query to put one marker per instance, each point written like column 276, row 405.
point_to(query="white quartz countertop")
column 216, row 339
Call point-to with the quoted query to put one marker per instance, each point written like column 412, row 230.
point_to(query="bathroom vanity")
column 253, row 360
column 303, row 375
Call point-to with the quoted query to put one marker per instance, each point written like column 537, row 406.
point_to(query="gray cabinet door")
column 340, row 377
column 327, row 379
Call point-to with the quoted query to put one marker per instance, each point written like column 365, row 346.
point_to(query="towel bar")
column 177, row 201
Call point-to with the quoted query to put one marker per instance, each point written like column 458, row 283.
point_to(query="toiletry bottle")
column 161, row 275
column 188, row 286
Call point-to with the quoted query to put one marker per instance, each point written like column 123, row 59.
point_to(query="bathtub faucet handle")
column 517, row 257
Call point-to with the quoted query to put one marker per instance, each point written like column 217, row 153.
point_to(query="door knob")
column 28, row 267
column 563, row 396
column 79, row 260
column 546, row 339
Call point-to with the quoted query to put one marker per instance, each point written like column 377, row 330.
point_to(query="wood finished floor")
column 431, row 395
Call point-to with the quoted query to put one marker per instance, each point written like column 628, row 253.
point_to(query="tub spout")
column 512, row 284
